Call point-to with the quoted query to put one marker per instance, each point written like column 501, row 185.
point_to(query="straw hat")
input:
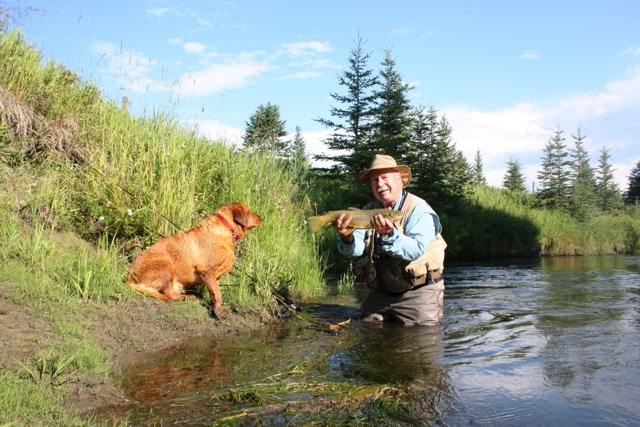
column 382, row 161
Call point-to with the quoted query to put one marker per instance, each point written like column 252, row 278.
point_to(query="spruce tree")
column 583, row 185
column 393, row 122
column 456, row 167
column 299, row 151
column 607, row 190
column 351, row 119
column 441, row 173
column 554, row 176
column 265, row 131
column 422, row 154
column 514, row 178
column 477, row 175
column 632, row 196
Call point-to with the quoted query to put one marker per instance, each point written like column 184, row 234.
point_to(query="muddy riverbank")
column 123, row 329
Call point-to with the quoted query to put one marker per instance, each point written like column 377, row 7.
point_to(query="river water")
column 552, row 341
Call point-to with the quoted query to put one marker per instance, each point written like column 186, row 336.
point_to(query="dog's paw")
column 220, row 312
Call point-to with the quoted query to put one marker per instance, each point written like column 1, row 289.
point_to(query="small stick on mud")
column 333, row 328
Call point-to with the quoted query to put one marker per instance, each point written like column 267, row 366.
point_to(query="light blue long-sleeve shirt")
column 422, row 226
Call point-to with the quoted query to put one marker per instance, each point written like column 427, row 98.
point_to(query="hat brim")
column 403, row 170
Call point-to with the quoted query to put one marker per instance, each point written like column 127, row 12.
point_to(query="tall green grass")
column 128, row 180
column 64, row 263
column 498, row 223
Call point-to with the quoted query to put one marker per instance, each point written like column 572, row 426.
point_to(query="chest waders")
column 393, row 275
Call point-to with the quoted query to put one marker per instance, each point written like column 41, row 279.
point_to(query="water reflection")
column 393, row 354
column 398, row 356
column 524, row 342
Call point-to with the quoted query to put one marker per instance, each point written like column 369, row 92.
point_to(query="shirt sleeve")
column 355, row 248
column 421, row 228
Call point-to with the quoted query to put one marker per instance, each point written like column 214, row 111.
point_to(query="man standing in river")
column 401, row 262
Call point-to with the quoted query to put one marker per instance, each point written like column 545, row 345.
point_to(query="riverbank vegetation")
column 85, row 186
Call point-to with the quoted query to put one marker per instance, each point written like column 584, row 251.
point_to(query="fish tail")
column 316, row 223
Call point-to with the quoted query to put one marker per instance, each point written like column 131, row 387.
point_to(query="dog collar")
column 233, row 231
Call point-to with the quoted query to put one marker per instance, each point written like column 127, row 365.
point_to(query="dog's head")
column 243, row 216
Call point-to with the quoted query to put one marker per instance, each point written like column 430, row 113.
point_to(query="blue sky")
column 505, row 73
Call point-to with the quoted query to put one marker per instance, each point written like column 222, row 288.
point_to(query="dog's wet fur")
column 200, row 255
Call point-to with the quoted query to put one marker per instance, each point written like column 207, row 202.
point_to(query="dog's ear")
column 240, row 214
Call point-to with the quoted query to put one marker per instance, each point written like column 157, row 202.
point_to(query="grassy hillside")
column 121, row 181
column 84, row 187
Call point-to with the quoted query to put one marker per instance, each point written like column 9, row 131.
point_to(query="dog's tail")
column 147, row 291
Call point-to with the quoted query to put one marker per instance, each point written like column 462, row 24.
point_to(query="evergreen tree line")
column 265, row 132
column 567, row 181
column 372, row 114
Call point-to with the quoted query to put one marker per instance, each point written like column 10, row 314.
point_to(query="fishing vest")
column 395, row 275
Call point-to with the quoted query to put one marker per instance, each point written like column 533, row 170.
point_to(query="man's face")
column 386, row 185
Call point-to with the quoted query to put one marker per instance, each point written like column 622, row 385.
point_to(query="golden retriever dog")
column 200, row 255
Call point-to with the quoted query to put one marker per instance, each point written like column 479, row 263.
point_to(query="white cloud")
column 607, row 118
column 158, row 11
column 622, row 171
column 517, row 129
column 631, row 50
column 194, row 47
column 145, row 85
column 204, row 23
column 216, row 131
column 304, row 75
column 104, row 49
column 617, row 95
column 530, row 55
column 314, row 141
column 400, row 31
column 130, row 70
column 233, row 136
column 219, row 77
column 304, row 48
column 425, row 35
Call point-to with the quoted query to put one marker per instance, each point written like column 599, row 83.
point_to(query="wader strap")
column 435, row 276
column 370, row 267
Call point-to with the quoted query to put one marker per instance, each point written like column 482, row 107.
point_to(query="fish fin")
column 316, row 223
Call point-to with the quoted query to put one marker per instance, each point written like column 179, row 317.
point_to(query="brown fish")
column 360, row 218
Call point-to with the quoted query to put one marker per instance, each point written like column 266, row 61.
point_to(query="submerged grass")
column 328, row 403
column 309, row 393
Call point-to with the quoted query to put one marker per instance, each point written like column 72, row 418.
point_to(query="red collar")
column 233, row 231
